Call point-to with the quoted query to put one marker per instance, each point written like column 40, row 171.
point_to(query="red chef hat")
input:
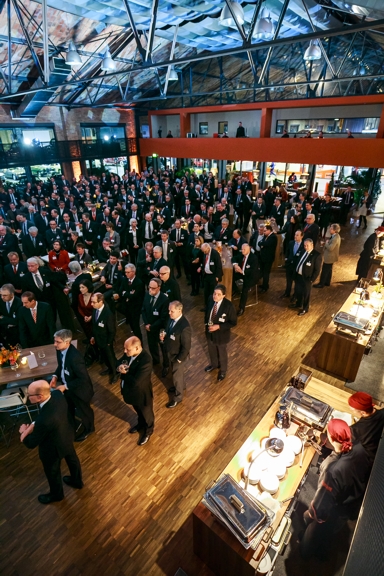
column 361, row 400
column 340, row 432
column 380, row 229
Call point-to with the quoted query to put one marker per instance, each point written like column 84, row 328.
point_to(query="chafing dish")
column 306, row 409
column 352, row 324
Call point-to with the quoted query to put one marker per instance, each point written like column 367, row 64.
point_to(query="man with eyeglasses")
column 104, row 332
column 53, row 434
column 155, row 315
column 169, row 286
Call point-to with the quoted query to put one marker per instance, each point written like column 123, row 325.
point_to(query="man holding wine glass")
column 135, row 368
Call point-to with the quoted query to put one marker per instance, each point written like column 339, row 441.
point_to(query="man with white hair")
column 307, row 270
column 33, row 243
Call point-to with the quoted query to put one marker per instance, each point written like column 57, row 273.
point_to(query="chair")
column 11, row 404
column 239, row 286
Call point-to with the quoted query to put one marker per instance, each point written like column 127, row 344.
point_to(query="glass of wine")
column 14, row 367
column 162, row 334
column 41, row 355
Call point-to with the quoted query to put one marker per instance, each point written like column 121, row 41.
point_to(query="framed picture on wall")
column 280, row 126
column 203, row 128
column 294, row 128
column 223, row 128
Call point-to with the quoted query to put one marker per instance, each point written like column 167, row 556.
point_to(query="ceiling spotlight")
column 108, row 64
column 73, row 58
column 173, row 77
column 313, row 51
column 106, row 137
column 226, row 16
column 264, row 26
column 360, row 70
column 27, row 141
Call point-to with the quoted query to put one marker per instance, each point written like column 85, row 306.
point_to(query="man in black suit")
column 53, row 233
column 104, row 332
column 15, row 271
column 53, row 434
column 278, row 212
column 36, row 323
column 267, row 247
column 169, row 285
column 155, row 314
column 8, row 243
column 307, row 270
column 23, row 224
column 131, row 295
column 346, row 204
column 135, row 368
column 295, row 252
column 76, row 384
column 148, row 229
column 176, row 342
column 44, row 283
column 187, row 211
column 212, row 269
column 168, row 248
column 110, row 277
column 311, row 230
column 42, row 221
column 82, row 257
column 90, row 232
column 246, row 268
column 180, row 238
column 240, row 132
column 153, row 268
column 134, row 240
column 9, row 308
column 67, row 227
column 223, row 233
column 33, row 243
column 220, row 317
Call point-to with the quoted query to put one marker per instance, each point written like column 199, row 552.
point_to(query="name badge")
column 101, row 324
column 89, row 230
column 54, row 258
column 221, row 319
column 247, row 266
column 48, row 284
column 211, row 263
column 132, row 291
column 308, row 263
column 172, row 337
column 40, row 243
column 155, row 313
column 21, row 274
column 14, row 314
column 171, row 250
column 66, row 372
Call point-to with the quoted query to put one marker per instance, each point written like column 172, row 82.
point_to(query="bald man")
column 53, row 433
column 135, row 368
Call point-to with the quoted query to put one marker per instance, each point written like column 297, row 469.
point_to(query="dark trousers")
column 146, row 418
column 317, row 538
column 361, row 218
column 303, row 288
column 107, row 356
column 195, row 278
column 240, row 217
column 244, row 294
column 134, row 322
column 153, row 345
column 289, row 277
column 265, row 272
column 176, row 391
column 133, row 252
column 77, row 406
column 108, row 295
column 326, row 275
column 344, row 214
column 217, row 354
column 209, row 286
column 52, row 469
column 180, row 260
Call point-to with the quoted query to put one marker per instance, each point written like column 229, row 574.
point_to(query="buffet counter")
column 341, row 351
column 213, row 542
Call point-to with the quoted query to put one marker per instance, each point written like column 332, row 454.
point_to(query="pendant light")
column 226, row 18
column 313, row 51
column 73, row 58
column 264, row 26
column 108, row 64
column 173, row 77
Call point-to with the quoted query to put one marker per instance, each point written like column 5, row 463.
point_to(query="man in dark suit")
column 53, row 434
column 180, row 238
column 144, row 261
column 90, row 232
column 131, row 295
column 169, row 285
column 311, row 230
column 44, row 283
column 67, row 227
column 104, row 332
column 223, row 233
column 8, row 243
column 240, row 132
column 36, row 323
column 15, row 271
column 168, row 248
column 148, row 229
column 53, row 233
column 295, row 252
column 246, row 268
column 76, row 384
column 42, row 221
column 134, row 240
column 135, row 368
column 155, row 314
column 82, row 257
column 153, row 268
column 187, row 211
column 346, row 204
column 176, row 342
column 212, row 269
column 33, row 243
column 267, row 247
column 307, row 270
column 278, row 212
column 9, row 308
column 110, row 277
column 220, row 317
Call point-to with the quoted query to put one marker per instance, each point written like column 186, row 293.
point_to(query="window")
column 223, row 128
column 203, row 128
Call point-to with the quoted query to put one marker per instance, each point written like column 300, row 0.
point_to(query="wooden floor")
column 133, row 515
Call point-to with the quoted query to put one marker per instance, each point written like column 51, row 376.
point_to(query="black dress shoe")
column 171, row 404
column 104, row 372
column 240, row 312
column 143, row 440
column 113, row 378
column 83, row 436
column 164, row 372
column 48, row 499
column 209, row 368
column 318, row 285
column 262, row 290
column 68, row 480
column 133, row 430
column 302, row 313
column 294, row 306
column 221, row 376
column 284, row 295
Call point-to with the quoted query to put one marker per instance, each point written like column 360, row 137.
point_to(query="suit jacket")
column 143, row 228
column 268, row 249
column 53, row 432
column 331, row 249
column 155, row 266
column 9, row 321
column 117, row 275
column 226, row 319
column 104, row 328
column 83, row 260
column 77, row 378
column 225, row 236
column 136, row 385
column 71, row 228
column 7, row 245
column 183, row 238
column 172, row 289
column 178, row 340
column 170, row 252
column 132, row 296
column 215, row 265
column 39, row 333
column 251, row 271
column 51, row 280
column 30, row 249
column 51, row 236
column 277, row 213
column 15, row 279
column 41, row 224
column 312, row 266
column 312, row 232
column 292, row 259
column 157, row 314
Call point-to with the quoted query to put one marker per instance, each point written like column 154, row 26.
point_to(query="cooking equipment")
column 306, row 409
column 348, row 322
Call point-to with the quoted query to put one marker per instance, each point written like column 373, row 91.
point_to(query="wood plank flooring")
column 133, row 515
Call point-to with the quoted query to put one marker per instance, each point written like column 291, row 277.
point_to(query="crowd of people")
column 149, row 230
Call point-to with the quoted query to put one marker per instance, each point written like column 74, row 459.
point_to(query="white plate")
column 278, row 468
column 269, row 482
column 294, row 443
column 277, row 433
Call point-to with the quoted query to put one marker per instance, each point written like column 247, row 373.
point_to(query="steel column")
column 277, row 30
column 45, row 41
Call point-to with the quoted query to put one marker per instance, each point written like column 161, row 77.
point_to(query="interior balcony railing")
column 22, row 154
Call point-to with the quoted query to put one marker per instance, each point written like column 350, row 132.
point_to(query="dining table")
column 46, row 365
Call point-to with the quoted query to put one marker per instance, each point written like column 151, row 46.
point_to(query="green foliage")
column 361, row 182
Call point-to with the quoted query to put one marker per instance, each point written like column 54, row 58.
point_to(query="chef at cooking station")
column 343, row 479
column 369, row 428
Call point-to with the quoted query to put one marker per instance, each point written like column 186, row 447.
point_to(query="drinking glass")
column 162, row 334
column 14, row 367
column 42, row 355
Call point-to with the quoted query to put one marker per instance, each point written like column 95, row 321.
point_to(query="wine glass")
column 162, row 334
column 41, row 355
column 14, row 367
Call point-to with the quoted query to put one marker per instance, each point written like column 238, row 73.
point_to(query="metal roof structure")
column 215, row 64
